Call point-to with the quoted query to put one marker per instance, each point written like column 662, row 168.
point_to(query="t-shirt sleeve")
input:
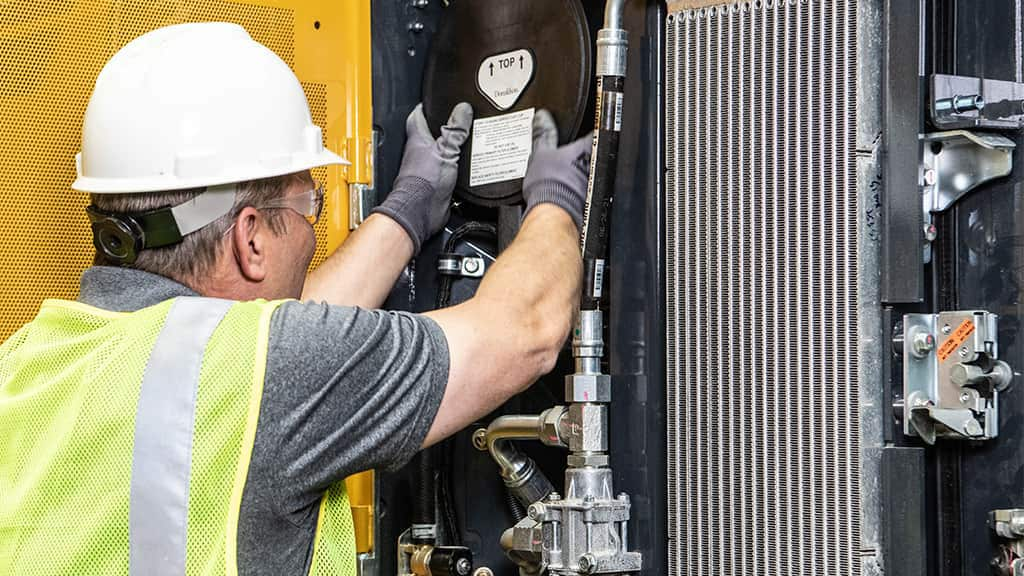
column 346, row 390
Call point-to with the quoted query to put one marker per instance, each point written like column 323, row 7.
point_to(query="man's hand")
column 420, row 199
column 557, row 175
column 511, row 331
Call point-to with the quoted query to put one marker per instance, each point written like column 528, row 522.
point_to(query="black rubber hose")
column 445, row 499
column 597, row 216
column 424, row 503
column 444, row 292
column 427, row 489
column 515, row 506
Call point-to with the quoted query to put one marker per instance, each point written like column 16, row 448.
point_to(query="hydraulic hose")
column 424, row 502
column 611, row 80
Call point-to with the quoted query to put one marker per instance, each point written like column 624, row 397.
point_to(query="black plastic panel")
column 988, row 268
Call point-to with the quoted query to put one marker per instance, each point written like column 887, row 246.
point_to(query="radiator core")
column 761, row 243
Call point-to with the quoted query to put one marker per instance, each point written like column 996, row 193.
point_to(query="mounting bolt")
column 536, row 511
column 960, row 104
column 929, row 177
column 463, row 566
column 973, row 428
column 923, row 344
column 588, row 564
column 964, row 352
column 416, row 26
column 930, row 232
column 472, row 265
column 946, row 329
column 483, row 571
column 965, row 398
column 480, row 439
column 420, row 3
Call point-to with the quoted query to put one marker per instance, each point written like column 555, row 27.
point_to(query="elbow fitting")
column 519, row 472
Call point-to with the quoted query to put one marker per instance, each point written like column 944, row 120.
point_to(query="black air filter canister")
column 507, row 59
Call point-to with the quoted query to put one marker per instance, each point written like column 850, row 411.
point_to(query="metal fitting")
column 612, row 48
column 960, row 104
column 553, row 427
column 588, row 341
column 588, row 427
column 587, row 460
column 536, row 511
column 587, row 564
column 588, row 388
column 518, row 471
column 419, row 563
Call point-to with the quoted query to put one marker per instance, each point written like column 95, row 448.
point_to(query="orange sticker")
column 958, row 337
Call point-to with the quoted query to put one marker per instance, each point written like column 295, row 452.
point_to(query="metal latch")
column 954, row 163
column 1009, row 526
column 952, row 375
column 451, row 264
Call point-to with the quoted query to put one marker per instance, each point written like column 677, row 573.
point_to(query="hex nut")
column 588, row 388
column 588, row 564
column 536, row 511
column 551, row 422
column 587, row 460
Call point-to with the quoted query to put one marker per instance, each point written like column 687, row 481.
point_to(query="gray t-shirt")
column 346, row 390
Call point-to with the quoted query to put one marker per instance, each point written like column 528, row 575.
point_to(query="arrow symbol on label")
column 492, row 68
column 520, row 62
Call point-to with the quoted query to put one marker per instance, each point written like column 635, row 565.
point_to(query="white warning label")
column 501, row 148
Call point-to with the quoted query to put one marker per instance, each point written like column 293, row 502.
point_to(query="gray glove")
column 557, row 175
column 422, row 193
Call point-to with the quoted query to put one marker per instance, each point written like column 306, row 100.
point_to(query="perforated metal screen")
column 50, row 54
column 762, row 289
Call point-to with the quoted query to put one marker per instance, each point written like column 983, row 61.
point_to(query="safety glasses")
column 308, row 204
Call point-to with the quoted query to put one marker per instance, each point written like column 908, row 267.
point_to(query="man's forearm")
column 362, row 271
column 511, row 331
column 541, row 270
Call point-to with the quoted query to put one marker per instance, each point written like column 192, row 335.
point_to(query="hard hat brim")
column 172, row 182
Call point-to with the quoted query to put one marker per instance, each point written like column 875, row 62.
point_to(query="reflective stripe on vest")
column 162, row 455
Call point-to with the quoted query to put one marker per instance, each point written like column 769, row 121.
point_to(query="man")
column 188, row 415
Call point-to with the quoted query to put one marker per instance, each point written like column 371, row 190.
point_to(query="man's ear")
column 249, row 240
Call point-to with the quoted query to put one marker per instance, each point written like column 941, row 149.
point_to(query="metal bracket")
column 362, row 197
column 954, row 163
column 952, row 375
column 1009, row 526
column 459, row 265
column 968, row 102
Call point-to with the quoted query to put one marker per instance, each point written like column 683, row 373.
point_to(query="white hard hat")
column 195, row 105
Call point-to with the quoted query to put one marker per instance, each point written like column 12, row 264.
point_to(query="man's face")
column 293, row 249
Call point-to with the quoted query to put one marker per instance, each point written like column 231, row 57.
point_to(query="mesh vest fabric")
column 69, row 384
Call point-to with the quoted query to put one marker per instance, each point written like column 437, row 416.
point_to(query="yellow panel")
column 50, row 54
column 360, row 497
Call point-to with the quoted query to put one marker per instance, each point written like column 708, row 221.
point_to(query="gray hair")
column 196, row 255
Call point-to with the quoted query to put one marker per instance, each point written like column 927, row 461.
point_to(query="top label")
column 503, row 77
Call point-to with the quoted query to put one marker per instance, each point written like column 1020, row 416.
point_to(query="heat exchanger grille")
column 762, row 289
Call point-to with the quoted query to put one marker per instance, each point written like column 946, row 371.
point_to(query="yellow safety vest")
column 125, row 441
